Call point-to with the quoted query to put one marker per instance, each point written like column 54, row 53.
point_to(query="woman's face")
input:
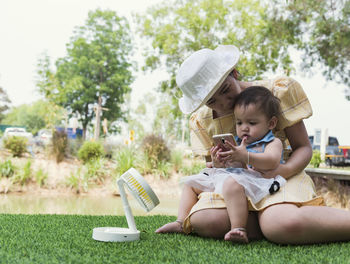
column 222, row 101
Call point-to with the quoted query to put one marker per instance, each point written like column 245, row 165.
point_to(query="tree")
column 323, row 27
column 97, row 68
column 38, row 115
column 4, row 102
column 177, row 28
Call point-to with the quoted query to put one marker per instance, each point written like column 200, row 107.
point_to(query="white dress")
column 256, row 187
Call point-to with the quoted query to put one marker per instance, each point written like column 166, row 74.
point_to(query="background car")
column 334, row 155
column 18, row 132
column 43, row 137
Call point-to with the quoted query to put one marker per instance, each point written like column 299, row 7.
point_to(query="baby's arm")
column 269, row 159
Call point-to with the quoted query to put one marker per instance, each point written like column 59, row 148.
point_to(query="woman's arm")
column 301, row 155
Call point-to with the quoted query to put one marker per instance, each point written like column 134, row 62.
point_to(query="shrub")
column 316, row 159
column 90, row 150
column 24, row 175
column 77, row 182
column 16, row 145
column 155, row 150
column 126, row 158
column 177, row 159
column 7, row 169
column 73, row 146
column 41, row 177
column 59, row 145
column 194, row 168
column 96, row 171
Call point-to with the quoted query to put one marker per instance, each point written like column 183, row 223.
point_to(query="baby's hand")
column 235, row 154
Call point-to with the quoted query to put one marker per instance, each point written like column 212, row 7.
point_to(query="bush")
column 73, row 146
column 316, row 159
column 90, row 150
column 24, row 175
column 7, row 169
column 59, row 145
column 177, row 159
column 155, row 150
column 96, row 171
column 41, row 177
column 126, row 158
column 16, row 145
column 194, row 168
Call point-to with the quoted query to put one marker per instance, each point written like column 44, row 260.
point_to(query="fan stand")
column 119, row 234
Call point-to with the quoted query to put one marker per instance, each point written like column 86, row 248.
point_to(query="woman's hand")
column 216, row 160
column 268, row 174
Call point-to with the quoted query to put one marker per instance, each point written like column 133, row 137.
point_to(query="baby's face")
column 251, row 123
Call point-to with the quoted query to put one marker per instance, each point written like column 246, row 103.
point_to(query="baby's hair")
column 262, row 97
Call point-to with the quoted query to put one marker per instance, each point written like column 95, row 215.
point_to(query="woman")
column 293, row 215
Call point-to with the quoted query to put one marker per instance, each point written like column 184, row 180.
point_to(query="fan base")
column 115, row 234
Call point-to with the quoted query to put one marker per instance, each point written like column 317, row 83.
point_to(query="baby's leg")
column 189, row 197
column 237, row 208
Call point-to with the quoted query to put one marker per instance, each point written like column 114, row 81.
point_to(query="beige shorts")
column 299, row 190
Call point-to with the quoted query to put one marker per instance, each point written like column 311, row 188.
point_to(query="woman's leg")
column 237, row 208
column 215, row 223
column 289, row 224
column 189, row 197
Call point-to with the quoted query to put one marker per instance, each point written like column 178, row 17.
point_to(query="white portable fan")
column 143, row 193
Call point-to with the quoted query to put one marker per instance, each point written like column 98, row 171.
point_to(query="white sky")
column 28, row 28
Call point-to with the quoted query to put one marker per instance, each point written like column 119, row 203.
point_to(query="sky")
column 29, row 28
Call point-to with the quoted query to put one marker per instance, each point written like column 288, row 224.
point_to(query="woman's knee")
column 231, row 186
column 280, row 225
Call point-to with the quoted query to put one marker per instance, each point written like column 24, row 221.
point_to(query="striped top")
column 295, row 107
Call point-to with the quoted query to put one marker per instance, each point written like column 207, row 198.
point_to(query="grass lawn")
column 68, row 239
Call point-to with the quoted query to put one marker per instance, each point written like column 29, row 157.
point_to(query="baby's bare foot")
column 237, row 235
column 173, row 227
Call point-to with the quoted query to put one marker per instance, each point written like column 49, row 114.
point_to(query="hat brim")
column 230, row 54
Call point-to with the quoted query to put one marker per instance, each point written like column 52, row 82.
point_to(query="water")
column 82, row 205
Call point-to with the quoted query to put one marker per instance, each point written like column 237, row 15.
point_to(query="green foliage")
column 90, row 150
column 193, row 168
column 24, row 175
column 96, row 171
column 77, row 182
column 316, row 159
column 163, row 169
column 59, row 145
column 324, row 29
column 16, row 145
column 155, row 150
column 4, row 102
column 176, row 159
column 67, row 239
column 126, row 158
column 74, row 145
column 7, row 169
column 36, row 116
column 264, row 31
column 177, row 28
column 41, row 177
column 98, row 64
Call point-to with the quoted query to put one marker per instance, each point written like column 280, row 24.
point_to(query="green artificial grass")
column 68, row 239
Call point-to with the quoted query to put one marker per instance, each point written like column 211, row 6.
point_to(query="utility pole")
column 98, row 111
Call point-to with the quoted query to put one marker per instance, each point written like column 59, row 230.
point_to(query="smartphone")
column 219, row 140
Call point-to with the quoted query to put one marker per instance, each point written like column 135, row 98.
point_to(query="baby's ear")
column 273, row 122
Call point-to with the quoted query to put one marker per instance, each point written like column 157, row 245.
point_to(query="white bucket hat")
column 202, row 73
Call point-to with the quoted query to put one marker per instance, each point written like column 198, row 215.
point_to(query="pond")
column 82, row 205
